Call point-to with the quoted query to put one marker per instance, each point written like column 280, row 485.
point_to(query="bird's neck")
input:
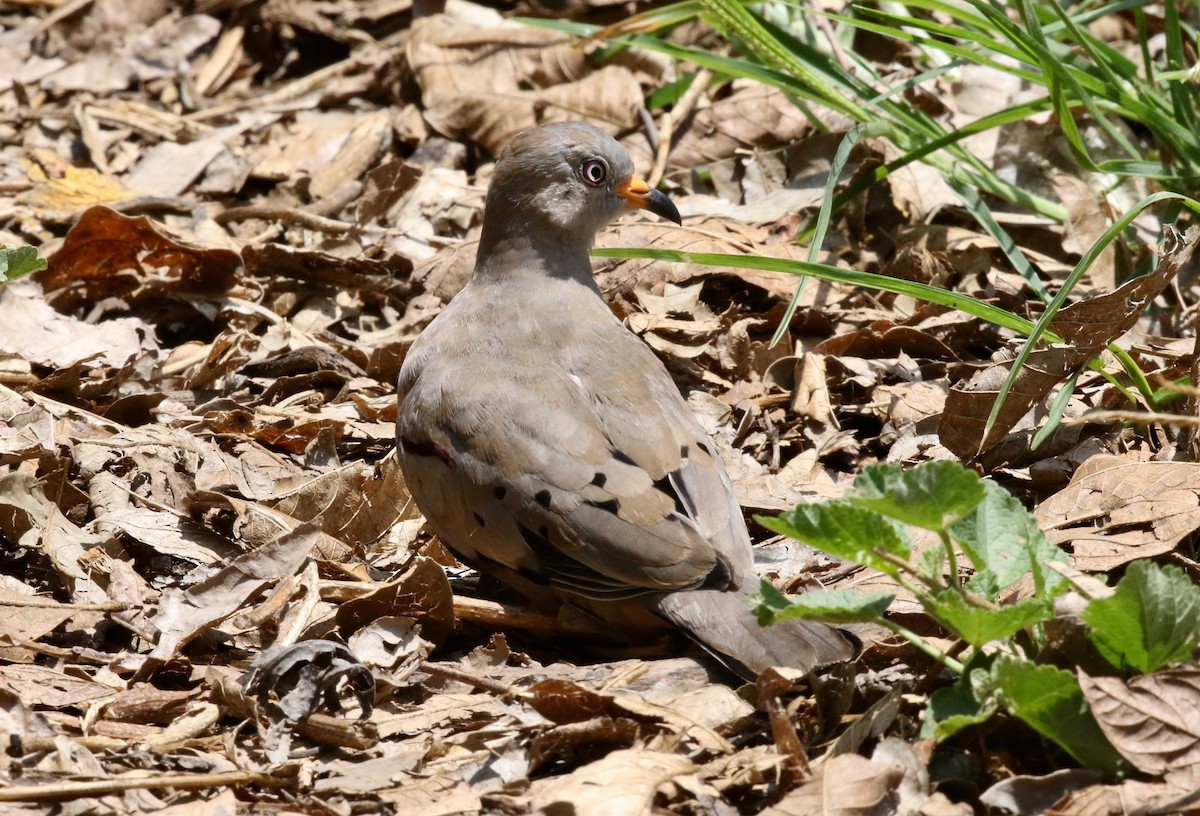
column 511, row 247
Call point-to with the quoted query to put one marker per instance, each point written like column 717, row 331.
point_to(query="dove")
column 548, row 447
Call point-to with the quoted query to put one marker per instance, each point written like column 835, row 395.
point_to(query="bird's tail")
column 721, row 622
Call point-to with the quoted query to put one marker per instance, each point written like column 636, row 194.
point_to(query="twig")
column 105, row 787
column 304, row 219
column 59, row 14
column 290, row 91
column 481, row 683
column 47, row 603
column 671, row 119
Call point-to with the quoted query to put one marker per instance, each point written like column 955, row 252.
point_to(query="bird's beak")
column 641, row 195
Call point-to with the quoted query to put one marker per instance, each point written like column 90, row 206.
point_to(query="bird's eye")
column 594, row 172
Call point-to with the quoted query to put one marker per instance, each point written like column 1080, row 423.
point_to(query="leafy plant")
column 981, row 548
column 16, row 262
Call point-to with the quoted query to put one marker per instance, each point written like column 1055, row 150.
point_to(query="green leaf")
column 1050, row 701
column 931, row 564
column 932, row 495
column 844, row 531
column 978, row 626
column 16, row 262
column 1003, row 539
column 1151, row 619
column 832, row 606
column 670, row 93
column 968, row 702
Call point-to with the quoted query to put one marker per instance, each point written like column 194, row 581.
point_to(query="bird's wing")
column 575, row 464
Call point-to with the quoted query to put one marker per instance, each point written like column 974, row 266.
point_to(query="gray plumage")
column 548, row 446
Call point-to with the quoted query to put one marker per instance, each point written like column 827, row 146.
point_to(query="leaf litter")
column 218, row 596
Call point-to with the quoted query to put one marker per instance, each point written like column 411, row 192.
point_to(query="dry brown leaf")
column 34, row 522
column 184, row 614
column 490, row 82
column 1115, row 511
column 109, row 254
column 844, row 785
column 1128, row 797
column 37, row 333
column 1153, row 720
column 44, row 687
column 1086, row 327
column 77, row 188
column 1088, row 216
column 622, row 784
column 28, row 624
column 421, row 592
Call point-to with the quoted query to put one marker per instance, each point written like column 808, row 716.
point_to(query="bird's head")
column 566, row 181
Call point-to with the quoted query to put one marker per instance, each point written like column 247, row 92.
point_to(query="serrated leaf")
column 1003, row 538
column 932, row 495
column 931, row 564
column 1151, row 619
column 1050, row 701
column 832, row 606
column 844, row 531
column 16, row 262
column 968, row 702
column 978, row 626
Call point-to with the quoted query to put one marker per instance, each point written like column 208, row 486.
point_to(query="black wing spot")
column 543, row 498
column 705, row 447
column 683, row 451
column 500, row 493
column 665, row 485
column 599, row 479
column 479, row 520
column 611, row 506
column 623, row 457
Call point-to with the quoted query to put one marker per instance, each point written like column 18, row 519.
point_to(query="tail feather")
column 721, row 622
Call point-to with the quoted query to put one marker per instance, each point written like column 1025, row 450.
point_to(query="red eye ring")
column 594, row 172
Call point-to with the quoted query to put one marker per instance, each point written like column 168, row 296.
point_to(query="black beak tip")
column 660, row 204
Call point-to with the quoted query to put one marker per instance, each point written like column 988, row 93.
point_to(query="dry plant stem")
column 290, row 91
column 916, row 640
column 481, row 683
column 61, row 13
column 495, row 615
column 292, row 216
column 1191, row 451
column 105, row 787
column 672, row 118
column 47, row 603
column 834, row 45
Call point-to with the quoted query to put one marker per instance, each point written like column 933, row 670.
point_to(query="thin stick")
column 105, row 787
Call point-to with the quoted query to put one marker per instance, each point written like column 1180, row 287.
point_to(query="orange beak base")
column 641, row 195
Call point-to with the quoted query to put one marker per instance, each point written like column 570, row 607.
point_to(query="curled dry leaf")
column 1115, row 511
column 392, row 646
column 1152, row 720
column 421, row 592
column 297, row 680
column 1086, row 326
column 39, row 334
column 293, row 682
column 107, row 254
